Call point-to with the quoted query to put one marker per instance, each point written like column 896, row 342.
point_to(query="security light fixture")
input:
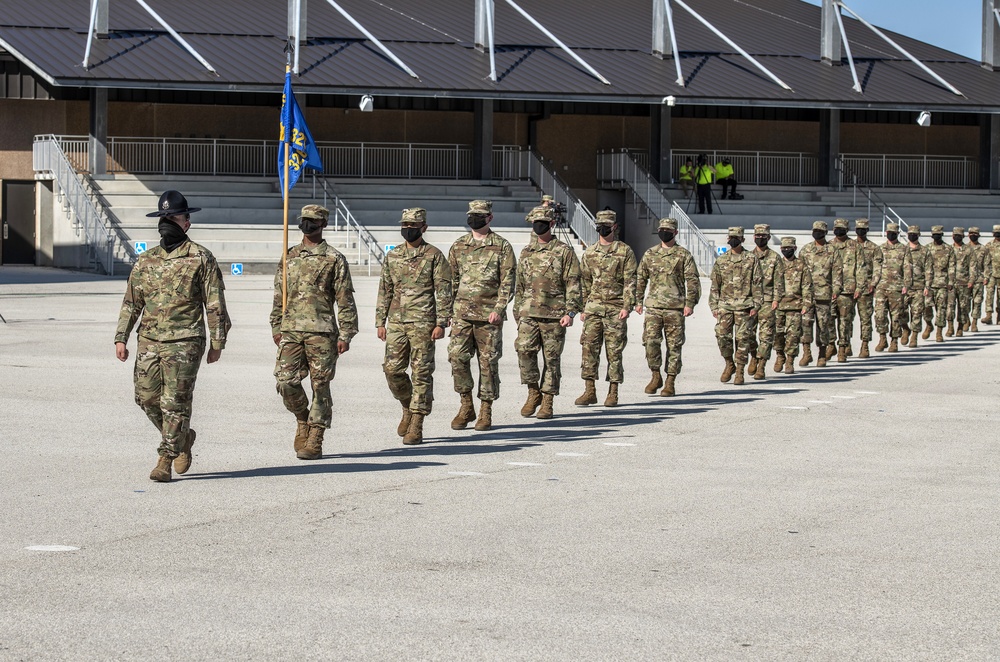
column 367, row 103
column 924, row 118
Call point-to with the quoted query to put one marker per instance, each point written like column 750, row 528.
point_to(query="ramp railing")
column 368, row 249
column 853, row 180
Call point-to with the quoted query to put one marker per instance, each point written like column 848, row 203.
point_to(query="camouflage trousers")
column 301, row 354
column 865, row 310
column 959, row 304
column 613, row 334
column 978, row 294
column 165, row 374
column 763, row 337
column 845, row 319
column 938, row 301
column 476, row 338
column 821, row 314
column 410, row 343
column 787, row 332
column 661, row 326
column 992, row 296
column 734, row 326
column 890, row 305
column 547, row 336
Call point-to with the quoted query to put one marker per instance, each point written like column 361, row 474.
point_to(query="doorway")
column 17, row 216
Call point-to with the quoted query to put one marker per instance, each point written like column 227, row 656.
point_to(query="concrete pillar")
column 484, row 16
column 829, row 147
column 101, row 25
column 989, row 152
column 98, row 131
column 991, row 35
column 482, row 145
column 659, row 143
column 830, row 42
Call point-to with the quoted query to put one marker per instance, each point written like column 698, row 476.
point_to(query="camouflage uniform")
column 673, row 286
column 919, row 311
column 826, row 272
column 895, row 275
column 979, row 254
column 414, row 296
column 772, row 267
column 940, row 276
column 737, row 289
column 855, row 275
column 991, row 271
column 548, row 287
column 960, row 301
column 796, row 296
column 174, row 292
column 607, row 280
column 318, row 278
column 873, row 272
column 482, row 276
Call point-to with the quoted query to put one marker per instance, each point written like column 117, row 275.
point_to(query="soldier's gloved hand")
column 214, row 355
column 623, row 314
column 276, row 338
column 437, row 333
column 566, row 321
column 688, row 312
column 343, row 347
column 381, row 333
column 121, row 351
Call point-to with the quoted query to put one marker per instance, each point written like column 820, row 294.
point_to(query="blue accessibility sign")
column 236, row 268
column 721, row 250
column 389, row 247
column 140, row 247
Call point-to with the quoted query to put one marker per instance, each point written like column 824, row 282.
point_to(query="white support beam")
column 559, row 42
column 732, row 43
column 90, row 32
column 902, row 50
column 177, row 37
column 382, row 47
column 991, row 35
column 491, row 35
column 829, row 43
column 673, row 42
column 485, row 33
column 297, row 30
column 850, row 57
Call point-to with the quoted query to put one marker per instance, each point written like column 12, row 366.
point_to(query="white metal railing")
column 622, row 169
column 913, row 171
column 49, row 160
column 757, row 168
column 888, row 214
column 366, row 242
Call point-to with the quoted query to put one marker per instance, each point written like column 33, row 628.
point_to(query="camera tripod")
column 697, row 177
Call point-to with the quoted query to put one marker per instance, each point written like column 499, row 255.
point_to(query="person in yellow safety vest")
column 703, row 176
column 724, row 175
column 687, row 178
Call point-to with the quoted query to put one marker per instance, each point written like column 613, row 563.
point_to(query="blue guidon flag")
column 302, row 152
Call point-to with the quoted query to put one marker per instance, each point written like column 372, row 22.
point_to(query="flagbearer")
column 307, row 334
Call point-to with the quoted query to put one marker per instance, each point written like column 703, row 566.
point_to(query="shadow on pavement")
column 311, row 467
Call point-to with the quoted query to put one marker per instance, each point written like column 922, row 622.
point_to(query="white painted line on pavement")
column 821, row 402
column 466, row 473
column 867, row 392
column 617, row 443
column 573, row 454
column 52, row 548
column 844, row 397
column 525, row 464
column 789, row 407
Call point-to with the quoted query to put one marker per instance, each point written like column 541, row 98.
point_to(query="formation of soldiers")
column 762, row 301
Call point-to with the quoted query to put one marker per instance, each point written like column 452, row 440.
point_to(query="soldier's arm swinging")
column 276, row 313
column 214, row 290
column 132, row 307
column 571, row 281
column 508, row 276
column 630, row 295
column 347, row 308
column 443, row 296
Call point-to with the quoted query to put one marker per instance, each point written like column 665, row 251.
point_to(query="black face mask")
column 913, row 237
column 840, row 232
column 974, row 238
column 862, row 233
column 605, row 230
column 665, row 236
column 734, row 241
column 819, row 235
column 411, row 234
column 892, row 236
column 938, row 238
column 310, row 225
column 957, row 238
column 171, row 235
column 788, row 252
column 541, row 227
column 996, row 235
column 761, row 241
column 477, row 222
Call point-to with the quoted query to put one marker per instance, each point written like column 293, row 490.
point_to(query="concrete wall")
column 571, row 142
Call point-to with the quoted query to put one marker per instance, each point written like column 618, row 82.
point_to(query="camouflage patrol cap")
column 480, row 208
column 937, row 229
column 861, row 223
column 892, row 227
column 996, row 228
column 414, row 215
column 606, row 217
column 668, row 224
column 736, row 231
column 973, row 230
column 957, row 230
column 821, row 225
column 913, row 229
column 762, row 228
column 315, row 211
column 548, row 198
column 539, row 214
column 841, row 223
column 787, row 242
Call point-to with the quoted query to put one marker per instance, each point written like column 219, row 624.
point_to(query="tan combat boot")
column 789, row 367
column 654, row 384
column 883, row 342
column 161, row 472
column 738, row 375
column 965, row 326
column 913, row 339
column 534, row 399
column 589, row 396
column 938, row 337
column 821, row 357
column 668, row 388
column 612, row 399
column 951, row 329
column 850, row 350
column 727, row 372
column 545, row 411
column 301, row 432
column 466, row 413
column 906, row 336
column 183, row 461
column 485, row 420
column 894, row 345
column 807, row 355
column 841, row 355
column 752, row 365
column 864, row 353
column 987, row 318
column 927, row 332
column 975, row 326
column 759, row 372
column 958, row 330
column 831, row 349
column 404, row 422
column 313, row 450
column 415, row 433
column 779, row 362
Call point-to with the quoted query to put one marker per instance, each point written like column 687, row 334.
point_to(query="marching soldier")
column 991, row 269
column 546, row 299
column 873, row 271
column 737, row 294
column 482, row 275
column 979, row 254
column 940, row 278
column 414, row 297
column 826, row 271
column 771, row 266
column 174, row 287
column 895, row 279
column 308, row 336
column 919, row 308
column 960, row 300
column 796, row 300
column 607, row 278
column 855, row 276
column 674, row 291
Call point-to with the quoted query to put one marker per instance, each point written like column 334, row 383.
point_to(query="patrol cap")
column 671, row 224
column 892, row 227
column 480, row 208
column 913, row 228
column 821, row 225
column 606, row 217
column 957, row 230
column 762, row 228
column 937, row 229
column 973, row 230
column 539, row 214
column 841, row 223
column 315, row 211
column 787, row 242
column 414, row 215
column 996, row 228
column 547, row 198
column 861, row 223
column 736, row 232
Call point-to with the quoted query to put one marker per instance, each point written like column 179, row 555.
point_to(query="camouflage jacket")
column 940, row 266
column 672, row 277
column 895, row 268
column 965, row 265
column 797, row 290
column 771, row 266
column 854, row 270
column 318, row 278
column 607, row 278
column 921, row 273
column 482, row 276
column 991, row 261
column 873, row 264
column 826, row 270
column 174, row 293
column 979, row 255
column 737, row 283
column 548, row 281
column 415, row 286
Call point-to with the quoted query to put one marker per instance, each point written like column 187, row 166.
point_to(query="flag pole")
column 284, row 251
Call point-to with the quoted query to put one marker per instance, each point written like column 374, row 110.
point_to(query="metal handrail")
column 870, row 194
column 580, row 219
column 341, row 211
column 621, row 167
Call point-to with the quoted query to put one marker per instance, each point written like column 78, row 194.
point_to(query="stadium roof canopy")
column 243, row 40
